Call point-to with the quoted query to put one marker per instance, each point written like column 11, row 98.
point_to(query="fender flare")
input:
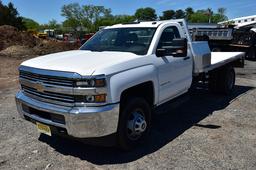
column 130, row 78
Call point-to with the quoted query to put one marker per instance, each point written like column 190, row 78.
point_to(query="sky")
column 44, row 10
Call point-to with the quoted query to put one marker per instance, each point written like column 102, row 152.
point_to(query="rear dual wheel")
column 222, row 80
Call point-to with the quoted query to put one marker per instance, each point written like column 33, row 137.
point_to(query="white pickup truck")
column 112, row 84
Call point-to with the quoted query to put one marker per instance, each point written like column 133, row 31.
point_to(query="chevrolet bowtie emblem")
column 39, row 86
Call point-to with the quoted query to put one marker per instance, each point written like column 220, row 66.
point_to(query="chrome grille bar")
column 48, row 97
column 49, row 100
column 49, row 94
column 46, row 79
column 53, row 87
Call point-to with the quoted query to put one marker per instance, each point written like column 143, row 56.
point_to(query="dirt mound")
column 11, row 36
column 17, row 51
column 47, row 47
column 20, row 44
column 8, row 28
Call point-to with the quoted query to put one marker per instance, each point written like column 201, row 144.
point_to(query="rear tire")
column 134, row 123
column 213, row 81
column 227, row 80
column 222, row 81
column 251, row 55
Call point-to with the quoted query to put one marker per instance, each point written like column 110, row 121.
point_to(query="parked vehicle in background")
column 86, row 37
column 247, row 21
column 50, row 33
column 238, row 37
column 110, row 87
column 59, row 37
column 41, row 35
column 69, row 37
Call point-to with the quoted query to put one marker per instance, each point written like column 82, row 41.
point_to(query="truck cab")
column 112, row 84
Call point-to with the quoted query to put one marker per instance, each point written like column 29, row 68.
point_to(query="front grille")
column 50, row 96
column 31, row 91
column 47, row 79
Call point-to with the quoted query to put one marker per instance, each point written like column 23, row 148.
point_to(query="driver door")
column 174, row 73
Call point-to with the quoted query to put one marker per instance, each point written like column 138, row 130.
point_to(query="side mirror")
column 179, row 47
column 160, row 52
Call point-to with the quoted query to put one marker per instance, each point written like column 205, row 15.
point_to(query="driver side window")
column 166, row 39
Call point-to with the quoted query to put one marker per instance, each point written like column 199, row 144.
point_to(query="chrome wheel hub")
column 136, row 125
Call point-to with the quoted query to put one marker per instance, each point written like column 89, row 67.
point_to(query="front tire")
column 134, row 123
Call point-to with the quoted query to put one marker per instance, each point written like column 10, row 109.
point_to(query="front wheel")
column 134, row 123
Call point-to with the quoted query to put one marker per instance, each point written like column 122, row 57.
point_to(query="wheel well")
column 145, row 90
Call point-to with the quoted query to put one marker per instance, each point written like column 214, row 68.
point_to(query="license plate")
column 42, row 128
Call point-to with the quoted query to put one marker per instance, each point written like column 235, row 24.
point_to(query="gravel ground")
column 206, row 132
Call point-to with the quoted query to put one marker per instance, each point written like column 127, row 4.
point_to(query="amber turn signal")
column 101, row 98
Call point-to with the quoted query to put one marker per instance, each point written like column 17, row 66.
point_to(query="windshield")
column 134, row 40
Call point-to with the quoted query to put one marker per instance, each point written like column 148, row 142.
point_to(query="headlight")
column 95, row 82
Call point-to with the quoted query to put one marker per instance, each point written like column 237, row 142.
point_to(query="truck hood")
column 79, row 61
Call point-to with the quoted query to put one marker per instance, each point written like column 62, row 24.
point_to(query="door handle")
column 186, row 58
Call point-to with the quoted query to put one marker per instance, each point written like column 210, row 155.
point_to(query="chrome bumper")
column 80, row 122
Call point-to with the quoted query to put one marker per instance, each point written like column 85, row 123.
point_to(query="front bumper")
column 80, row 122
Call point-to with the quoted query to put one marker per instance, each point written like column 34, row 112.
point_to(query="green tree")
column 72, row 10
column 180, row 14
column 198, row 17
column 10, row 16
column 111, row 20
column 146, row 14
column 189, row 11
column 93, row 14
column 74, row 15
column 53, row 24
column 84, row 16
column 43, row 27
column 71, row 24
column 123, row 19
column 222, row 11
column 209, row 13
column 107, row 13
column 220, row 16
column 30, row 24
column 168, row 14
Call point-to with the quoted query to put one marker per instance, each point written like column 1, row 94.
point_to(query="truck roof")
column 154, row 24
column 147, row 24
